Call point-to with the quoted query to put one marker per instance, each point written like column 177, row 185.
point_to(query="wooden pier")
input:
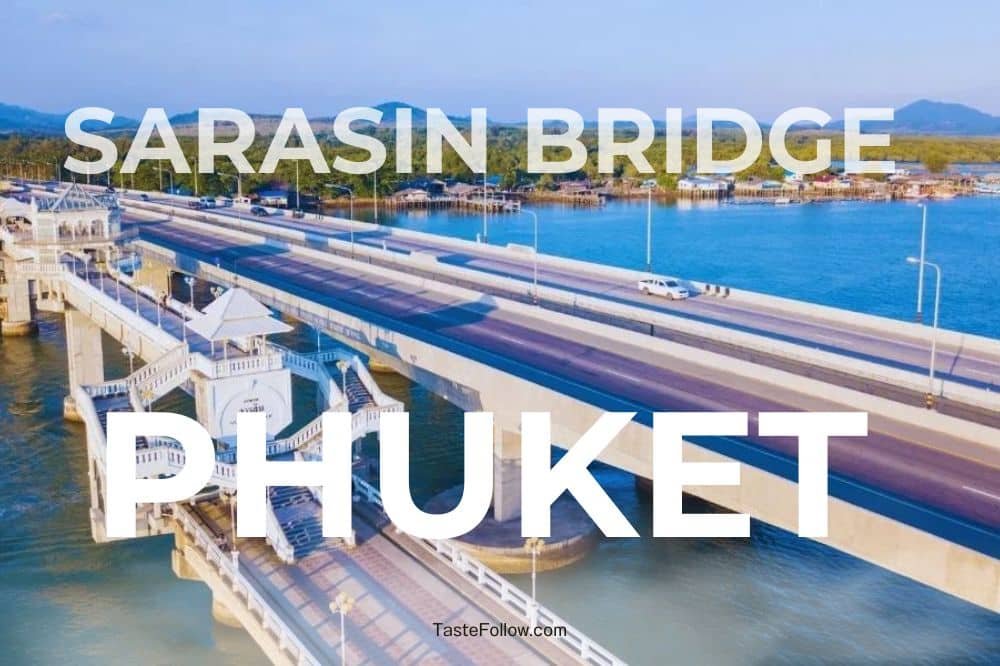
column 493, row 204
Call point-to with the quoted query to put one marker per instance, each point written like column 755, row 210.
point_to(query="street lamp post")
column 350, row 194
column 189, row 281
column 534, row 546
column 342, row 605
column 934, row 334
column 131, row 359
column 534, row 289
column 920, row 269
column 342, row 366
column 486, row 234
column 232, row 523
column 649, row 230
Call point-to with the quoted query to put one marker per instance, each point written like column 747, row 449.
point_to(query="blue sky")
column 262, row 57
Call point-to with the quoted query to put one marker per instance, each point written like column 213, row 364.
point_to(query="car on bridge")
column 670, row 289
column 259, row 211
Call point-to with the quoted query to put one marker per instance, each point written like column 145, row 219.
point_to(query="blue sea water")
column 776, row 598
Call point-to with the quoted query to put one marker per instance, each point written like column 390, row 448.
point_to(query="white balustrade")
column 255, row 603
column 502, row 590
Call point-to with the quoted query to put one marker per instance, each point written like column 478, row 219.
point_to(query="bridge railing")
column 506, row 593
column 236, row 366
column 228, row 569
column 313, row 367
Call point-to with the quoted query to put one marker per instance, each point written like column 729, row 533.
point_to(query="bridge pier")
column 222, row 614
column 154, row 274
column 497, row 540
column 85, row 356
column 506, row 475
column 19, row 319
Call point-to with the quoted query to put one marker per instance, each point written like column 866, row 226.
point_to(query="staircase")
column 358, row 396
column 298, row 514
column 116, row 402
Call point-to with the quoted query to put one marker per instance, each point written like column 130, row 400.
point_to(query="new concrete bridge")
column 919, row 495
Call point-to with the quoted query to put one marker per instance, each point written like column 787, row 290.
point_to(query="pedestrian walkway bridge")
column 278, row 588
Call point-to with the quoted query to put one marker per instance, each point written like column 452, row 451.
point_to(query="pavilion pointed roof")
column 73, row 198
column 236, row 314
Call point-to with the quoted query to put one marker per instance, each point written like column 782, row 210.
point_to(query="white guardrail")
column 506, row 593
column 255, row 603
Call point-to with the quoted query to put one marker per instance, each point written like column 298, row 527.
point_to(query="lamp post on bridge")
column 342, row 366
column 189, row 281
column 342, row 605
column 920, row 271
column 127, row 351
column 239, row 190
column 934, row 334
column 232, row 523
column 350, row 194
column 534, row 289
column 534, row 546
column 649, row 229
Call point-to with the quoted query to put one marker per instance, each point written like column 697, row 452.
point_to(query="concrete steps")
column 358, row 396
column 298, row 513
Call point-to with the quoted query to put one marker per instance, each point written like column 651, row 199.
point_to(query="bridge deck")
column 950, row 476
column 168, row 320
column 960, row 365
column 397, row 601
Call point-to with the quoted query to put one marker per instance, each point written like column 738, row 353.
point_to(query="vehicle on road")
column 223, row 202
column 298, row 214
column 194, row 204
column 144, row 196
column 670, row 289
column 259, row 211
column 207, row 202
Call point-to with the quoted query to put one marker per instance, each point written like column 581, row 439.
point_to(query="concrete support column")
column 222, row 614
column 85, row 356
column 154, row 274
column 506, row 474
column 19, row 319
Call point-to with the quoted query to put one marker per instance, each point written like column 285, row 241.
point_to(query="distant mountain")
column 388, row 110
column 29, row 121
column 920, row 117
column 928, row 117
column 20, row 119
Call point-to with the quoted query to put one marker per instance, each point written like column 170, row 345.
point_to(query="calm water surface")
column 774, row 598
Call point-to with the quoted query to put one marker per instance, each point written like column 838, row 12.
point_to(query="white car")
column 670, row 289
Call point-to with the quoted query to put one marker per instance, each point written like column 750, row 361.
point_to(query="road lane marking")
column 981, row 492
